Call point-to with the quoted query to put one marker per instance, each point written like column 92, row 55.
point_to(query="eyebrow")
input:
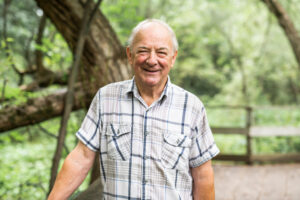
column 161, row 48
column 142, row 47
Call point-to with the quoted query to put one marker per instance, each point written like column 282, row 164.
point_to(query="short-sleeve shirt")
column 146, row 152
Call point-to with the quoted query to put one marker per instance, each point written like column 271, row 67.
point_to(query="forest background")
column 231, row 52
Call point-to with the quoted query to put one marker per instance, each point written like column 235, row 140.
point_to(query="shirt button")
column 145, row 181
column 147, row 133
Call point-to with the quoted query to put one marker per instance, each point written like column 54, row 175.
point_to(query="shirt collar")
column 132, row 88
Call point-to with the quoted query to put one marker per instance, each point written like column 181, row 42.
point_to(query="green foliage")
column 214, row 47
column 218, row 40
column 219, row 117
column 277, row 116
column 56, row 51
column 14, row 95
column 123, row 16
column 231, row 144
column 280, row 144
column 11, row 92
column 21, row 23
column 26, row 157
column 25, row 178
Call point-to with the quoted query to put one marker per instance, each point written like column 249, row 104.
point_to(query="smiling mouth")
column 151, row 71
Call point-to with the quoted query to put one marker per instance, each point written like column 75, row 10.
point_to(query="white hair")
column 140, row 25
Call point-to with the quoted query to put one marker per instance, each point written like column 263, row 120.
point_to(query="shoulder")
column 191, row 99
column 114, row 89
column 191, row 104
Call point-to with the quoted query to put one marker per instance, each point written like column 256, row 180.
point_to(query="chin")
column 151, row 83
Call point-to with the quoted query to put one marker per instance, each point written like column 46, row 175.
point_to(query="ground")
column 258, row 182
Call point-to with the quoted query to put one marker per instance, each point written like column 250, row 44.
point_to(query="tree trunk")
column 104, row 60
column 39, row 41
column 68, row 103
column 287, row 25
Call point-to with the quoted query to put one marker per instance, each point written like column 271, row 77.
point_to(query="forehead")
column 153, row 35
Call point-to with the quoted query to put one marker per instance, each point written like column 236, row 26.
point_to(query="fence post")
column 249, row 110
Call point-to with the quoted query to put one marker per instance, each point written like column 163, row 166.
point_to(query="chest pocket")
column 175, row 151
column 118, row 141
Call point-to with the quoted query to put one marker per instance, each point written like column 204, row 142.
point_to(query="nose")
column 152, row 59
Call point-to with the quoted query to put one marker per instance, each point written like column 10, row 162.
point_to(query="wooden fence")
column 251, row 131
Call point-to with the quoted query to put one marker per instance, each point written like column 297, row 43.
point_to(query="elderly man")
column 153, row 137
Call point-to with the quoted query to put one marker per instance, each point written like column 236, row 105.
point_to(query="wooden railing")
column 251, row 131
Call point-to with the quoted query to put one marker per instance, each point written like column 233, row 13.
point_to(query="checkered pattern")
column 146, row 151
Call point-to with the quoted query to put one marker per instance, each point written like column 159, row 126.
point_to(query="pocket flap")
column 179, row 140
column 117, row 129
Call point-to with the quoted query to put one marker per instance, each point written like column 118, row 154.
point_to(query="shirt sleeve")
column 204, row 147
column 89, row 131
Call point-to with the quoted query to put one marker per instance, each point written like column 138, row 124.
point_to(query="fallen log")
column 41, row 109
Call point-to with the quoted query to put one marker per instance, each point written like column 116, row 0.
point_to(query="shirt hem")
column 213, row 152
column 85, row 141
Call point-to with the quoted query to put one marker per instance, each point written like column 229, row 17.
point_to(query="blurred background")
column 242, row 58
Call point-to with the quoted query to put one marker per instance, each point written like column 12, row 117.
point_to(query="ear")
column 129, row 55
column 174, row 58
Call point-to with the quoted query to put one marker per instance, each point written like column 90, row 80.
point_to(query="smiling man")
column 153, row 137
column 152, row 55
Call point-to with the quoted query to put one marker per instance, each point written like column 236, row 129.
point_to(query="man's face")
column 152, row 56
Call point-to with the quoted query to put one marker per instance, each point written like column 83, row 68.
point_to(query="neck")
column 150, row 94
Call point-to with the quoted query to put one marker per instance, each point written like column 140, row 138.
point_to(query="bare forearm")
column 204, row 190
column 73, row 172
column 203, row 185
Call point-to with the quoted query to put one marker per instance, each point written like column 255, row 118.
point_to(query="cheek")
column 165, row 63
column 140, row 60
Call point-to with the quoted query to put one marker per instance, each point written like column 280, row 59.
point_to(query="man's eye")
column 162, row 53
column 142, row 51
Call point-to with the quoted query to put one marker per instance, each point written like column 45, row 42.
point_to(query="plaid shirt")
column 146, row 151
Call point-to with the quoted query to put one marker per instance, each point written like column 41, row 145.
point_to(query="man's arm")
column 203, row 182
column 74, row 170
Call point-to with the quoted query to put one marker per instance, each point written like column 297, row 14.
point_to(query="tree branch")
column 68, row 103
column 240, row 65
column 7, row 49
column 38, row 41
column 104, row 60
column 43, row 77
column 52, row 135
column 41, row 109
column 3, row 91
column 287, row 25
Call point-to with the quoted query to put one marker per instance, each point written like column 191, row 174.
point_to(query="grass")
column 26, row 159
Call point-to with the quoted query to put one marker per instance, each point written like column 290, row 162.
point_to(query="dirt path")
column 258, row 182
